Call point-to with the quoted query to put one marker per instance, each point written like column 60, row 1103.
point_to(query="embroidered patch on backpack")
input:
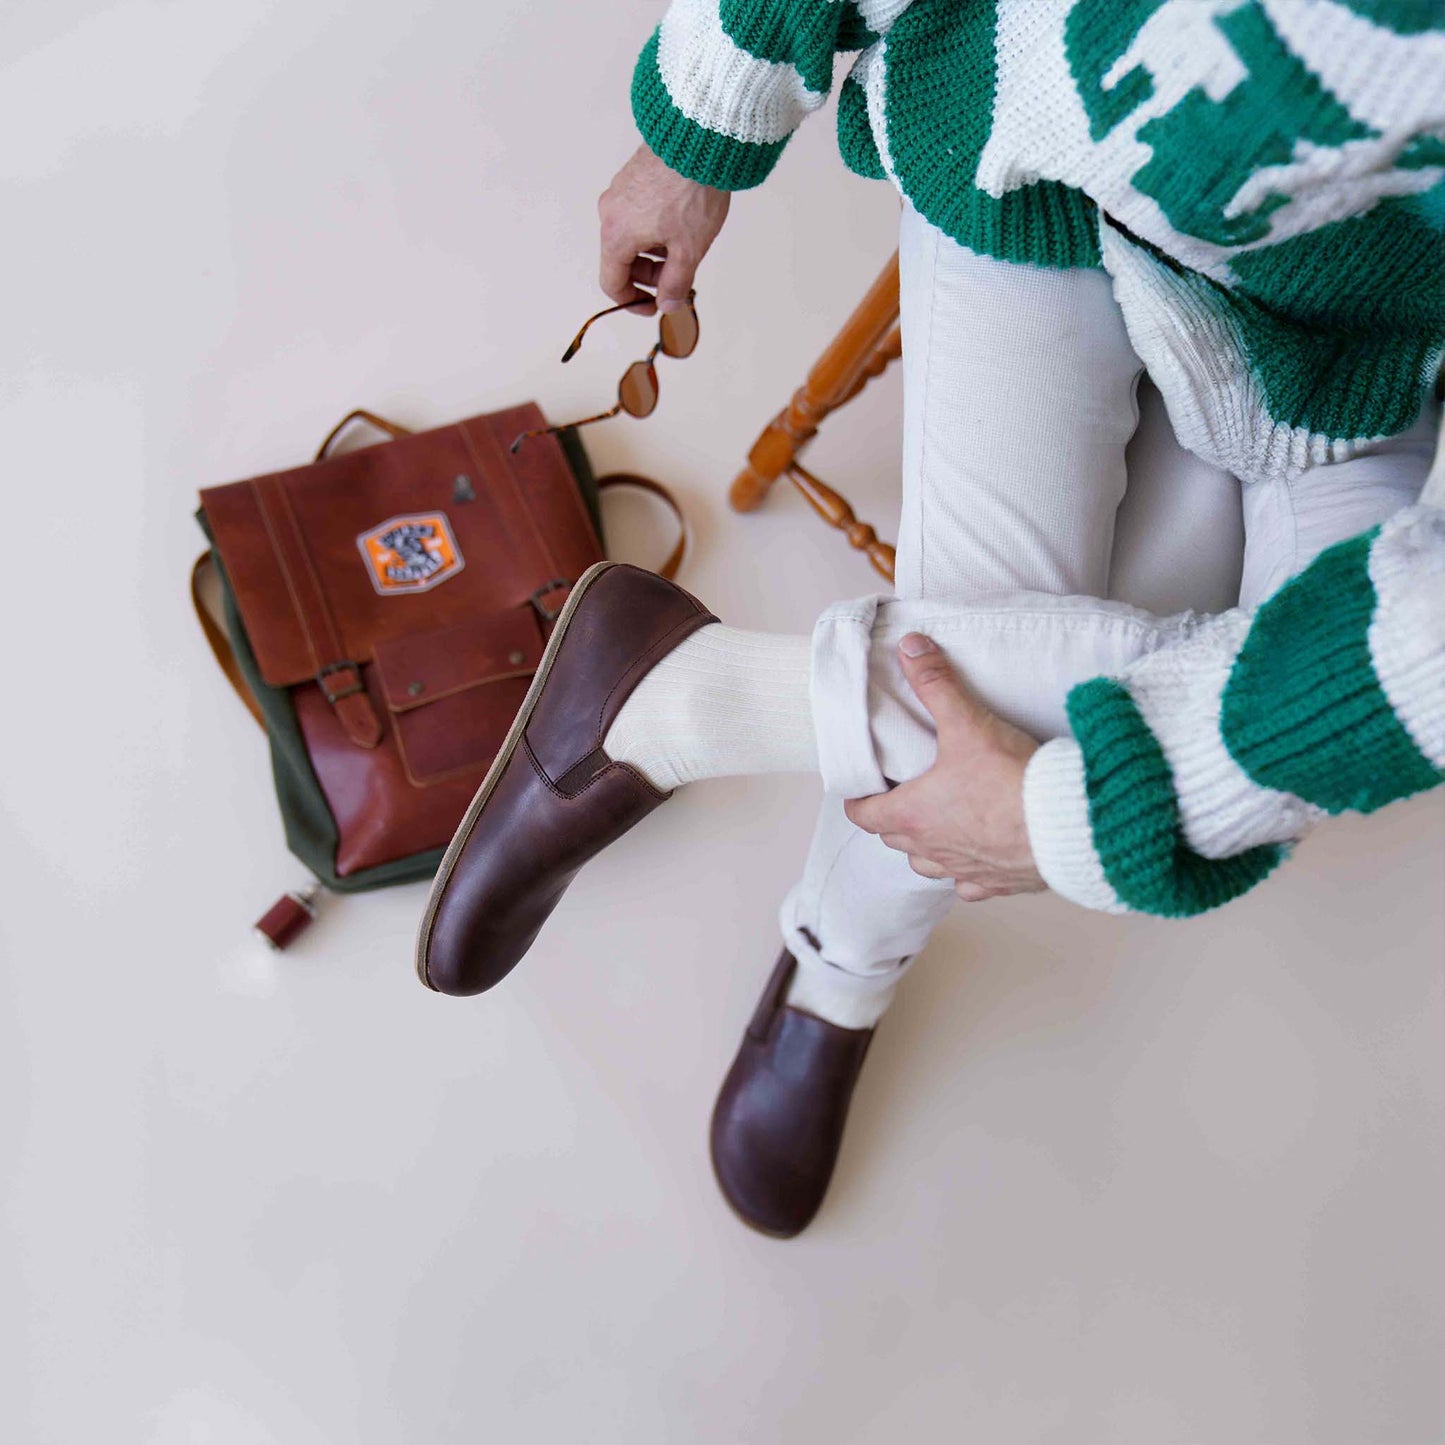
column 411, row 553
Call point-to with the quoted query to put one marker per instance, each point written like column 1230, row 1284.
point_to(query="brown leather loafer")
column 779, row 1119
column 553, row 798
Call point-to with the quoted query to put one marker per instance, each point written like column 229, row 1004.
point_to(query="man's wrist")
column 684, row 145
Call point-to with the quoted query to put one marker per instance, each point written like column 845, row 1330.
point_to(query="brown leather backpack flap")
column 452, row 695
column 330, row 561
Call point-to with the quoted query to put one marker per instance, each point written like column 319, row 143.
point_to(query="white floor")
column 1106, row 1181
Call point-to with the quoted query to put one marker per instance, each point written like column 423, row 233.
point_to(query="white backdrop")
column 1106, row 1181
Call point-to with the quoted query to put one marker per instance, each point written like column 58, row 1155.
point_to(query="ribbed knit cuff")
column 1056, row 809
column 692, row 150
column 1134, row 814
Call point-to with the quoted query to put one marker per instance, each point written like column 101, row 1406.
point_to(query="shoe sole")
column 499, row 764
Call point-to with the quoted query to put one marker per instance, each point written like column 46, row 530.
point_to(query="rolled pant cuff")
column 857, row 980
column 838, row 690
column 839, row 980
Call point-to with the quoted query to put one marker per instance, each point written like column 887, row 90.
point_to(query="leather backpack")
column 381, row 613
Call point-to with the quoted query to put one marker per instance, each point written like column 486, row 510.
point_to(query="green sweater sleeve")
column 1184, row 777
column 722, row 84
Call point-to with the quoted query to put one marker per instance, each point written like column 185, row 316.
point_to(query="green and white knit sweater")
column 1272, row 171
column 1265, row 182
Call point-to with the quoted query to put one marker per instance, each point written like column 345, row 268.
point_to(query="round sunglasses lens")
column 638, row 389
column 678, row 332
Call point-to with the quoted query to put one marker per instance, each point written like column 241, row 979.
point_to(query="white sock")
column 726, row 703
column 721, row 704
column 811, row 990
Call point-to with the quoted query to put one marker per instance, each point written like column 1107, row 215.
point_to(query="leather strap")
column 333, row 680
column 339, row 676
column 669, row 568
column 202, row 577
column 483, row 448
column 391, row 428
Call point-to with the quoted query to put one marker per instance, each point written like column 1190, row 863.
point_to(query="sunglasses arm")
column 571, row 351
column 546, row 431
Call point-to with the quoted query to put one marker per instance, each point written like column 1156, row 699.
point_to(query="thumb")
column 937, row 687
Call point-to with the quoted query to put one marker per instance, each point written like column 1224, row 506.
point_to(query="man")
column 1244, row 198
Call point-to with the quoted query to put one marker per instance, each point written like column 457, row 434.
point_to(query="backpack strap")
column 393, row 429
column 206, row 599
column 670, row 567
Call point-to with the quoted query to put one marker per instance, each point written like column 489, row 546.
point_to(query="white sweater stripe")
column 879, row 15
column 1386, row 80
column 717, row 84
column 1194, row 354
column 1056, row 812
column 1407, row 632
column 871, row 72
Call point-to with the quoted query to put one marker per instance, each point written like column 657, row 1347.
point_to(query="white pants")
column 1040, row 477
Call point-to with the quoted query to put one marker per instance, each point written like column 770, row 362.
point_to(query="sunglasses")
column 677, row 333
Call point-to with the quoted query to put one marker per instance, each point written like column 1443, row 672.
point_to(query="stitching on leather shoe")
column 540, row 771
column 664, row 643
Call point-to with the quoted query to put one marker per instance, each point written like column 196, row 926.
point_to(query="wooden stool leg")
column 838, row 375
column 750, row 487
column 836, row 512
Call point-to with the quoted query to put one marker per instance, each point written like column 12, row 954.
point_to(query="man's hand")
column 964, row 818
column 656, row 228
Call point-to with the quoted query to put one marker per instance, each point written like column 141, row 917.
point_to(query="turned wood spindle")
column 836, row 511
column 860, row 351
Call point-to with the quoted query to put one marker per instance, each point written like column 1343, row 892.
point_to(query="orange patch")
column 411, row 553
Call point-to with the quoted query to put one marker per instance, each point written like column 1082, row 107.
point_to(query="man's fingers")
column 643, row 274
column 625, row 272
column 620, row 251
column 674, row 281
column 615, row 278
column 936, row 686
